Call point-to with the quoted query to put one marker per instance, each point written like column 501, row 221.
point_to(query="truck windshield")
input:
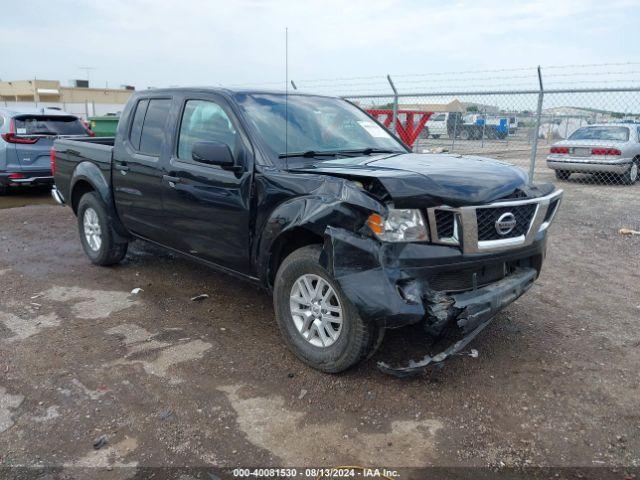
column 620, row 134
column 314, row 125
column 49, row 125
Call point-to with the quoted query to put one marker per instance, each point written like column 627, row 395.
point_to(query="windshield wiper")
column 313, row 153
column 308, row 154
column 369, row 151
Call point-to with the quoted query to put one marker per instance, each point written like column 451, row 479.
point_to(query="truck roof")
column 225, row 91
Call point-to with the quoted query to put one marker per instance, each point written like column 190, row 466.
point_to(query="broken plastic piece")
column 100, row 442
column 628, row 231
column 136, row 291
column 415, row 368
column 199, row 298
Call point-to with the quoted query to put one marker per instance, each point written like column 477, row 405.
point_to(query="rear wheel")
column 3, row 190
column 96, row 234
column 562, row 175
column 631, row 176
column 316, row 319
column 436, row 136
column 465, row 135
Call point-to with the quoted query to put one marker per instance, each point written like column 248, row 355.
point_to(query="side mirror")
column 213, row 153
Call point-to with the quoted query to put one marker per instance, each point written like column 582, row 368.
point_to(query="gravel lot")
column 172, row 382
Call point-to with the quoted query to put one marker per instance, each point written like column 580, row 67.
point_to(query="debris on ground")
column 136, row 291
column 303, row 392
column 199, row 298
column 628, row 232
column 100, row 442
column 166, row 415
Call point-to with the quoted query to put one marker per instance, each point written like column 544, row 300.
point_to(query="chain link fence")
column 575, row 125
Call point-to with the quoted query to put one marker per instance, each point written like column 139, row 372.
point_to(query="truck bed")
column 71, row 153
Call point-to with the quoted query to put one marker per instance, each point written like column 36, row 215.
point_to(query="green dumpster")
column 104, row 126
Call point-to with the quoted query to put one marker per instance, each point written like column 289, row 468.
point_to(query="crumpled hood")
column 423, row 180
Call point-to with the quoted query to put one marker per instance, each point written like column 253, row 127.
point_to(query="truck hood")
column 423, row 180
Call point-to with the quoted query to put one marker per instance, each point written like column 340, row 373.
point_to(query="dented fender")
column 329, row 201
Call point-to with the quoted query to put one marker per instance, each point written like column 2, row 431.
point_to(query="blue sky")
column 198, row 42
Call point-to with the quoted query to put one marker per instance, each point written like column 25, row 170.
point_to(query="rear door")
column 40, row 130
column 137, row 176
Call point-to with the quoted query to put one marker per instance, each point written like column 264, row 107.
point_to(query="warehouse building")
column 78, row 98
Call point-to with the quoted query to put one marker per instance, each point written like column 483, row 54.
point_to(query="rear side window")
column 136, row 125
column 439, row 118
column 44, row 125
column 153, row 127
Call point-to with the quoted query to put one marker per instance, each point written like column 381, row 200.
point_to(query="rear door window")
column 48, row 125
column 136, row 125
column 153, row 127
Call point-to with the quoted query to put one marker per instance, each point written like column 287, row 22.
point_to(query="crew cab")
column 318, row 203
column 26, row 137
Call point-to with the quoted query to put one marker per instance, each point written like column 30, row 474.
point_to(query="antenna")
column 286, row 91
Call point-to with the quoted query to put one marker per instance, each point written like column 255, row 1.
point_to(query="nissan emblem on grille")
column 505, row 223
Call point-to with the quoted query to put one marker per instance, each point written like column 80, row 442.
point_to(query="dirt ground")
column 172, row 382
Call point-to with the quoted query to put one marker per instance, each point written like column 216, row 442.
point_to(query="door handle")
column 172, row 181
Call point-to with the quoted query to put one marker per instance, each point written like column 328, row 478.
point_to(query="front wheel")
column 562, row 175
column 96, row 234
column 316, row 319
column 630, row 176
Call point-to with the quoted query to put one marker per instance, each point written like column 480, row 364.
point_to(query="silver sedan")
column 604, row 149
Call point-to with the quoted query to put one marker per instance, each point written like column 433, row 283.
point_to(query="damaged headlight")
column 400, row 225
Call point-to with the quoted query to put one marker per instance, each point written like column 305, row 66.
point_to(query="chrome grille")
column 487, row 217
column 474, row 227
column 445, row 222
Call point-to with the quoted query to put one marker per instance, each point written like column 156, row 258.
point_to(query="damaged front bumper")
column 473, row 311
column 400, row 284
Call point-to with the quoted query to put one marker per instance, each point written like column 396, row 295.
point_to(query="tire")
column 562, row 174
column 98, row 238
column 3, row 190
column 436, row 136
column 631, row 176
column 464, row 134
column 424, row 133
column 356, row 338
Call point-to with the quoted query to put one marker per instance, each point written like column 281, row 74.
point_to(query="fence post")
column 394, row 118
column 534, row 147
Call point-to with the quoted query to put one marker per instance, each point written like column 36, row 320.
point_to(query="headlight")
column 400, row 225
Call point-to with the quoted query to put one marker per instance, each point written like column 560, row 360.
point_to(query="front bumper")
column 402, row 284
column 475, row 309
column 588, row 164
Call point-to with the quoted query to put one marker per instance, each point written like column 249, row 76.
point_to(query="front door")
column 206, row 207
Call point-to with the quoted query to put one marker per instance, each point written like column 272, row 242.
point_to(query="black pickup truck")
column 315, row 201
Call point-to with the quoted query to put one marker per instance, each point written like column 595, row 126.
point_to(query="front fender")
column 335, row 201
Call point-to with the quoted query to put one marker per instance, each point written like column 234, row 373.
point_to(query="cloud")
column 161, row 42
